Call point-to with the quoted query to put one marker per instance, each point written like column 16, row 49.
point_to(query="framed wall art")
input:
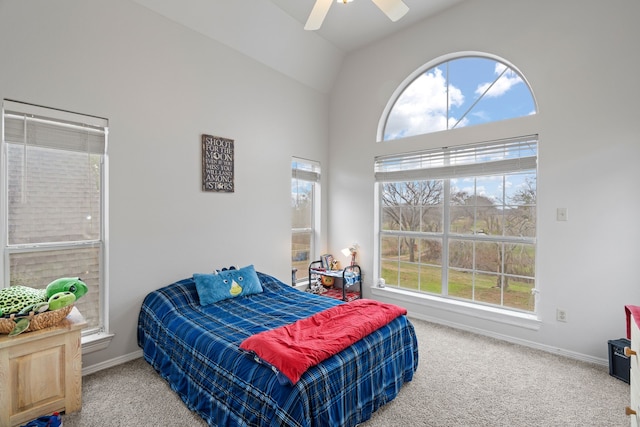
column 217, row 164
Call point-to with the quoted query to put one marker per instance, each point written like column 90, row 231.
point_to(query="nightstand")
column 41, row 371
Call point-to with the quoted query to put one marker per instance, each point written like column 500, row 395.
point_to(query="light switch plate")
column 562, row 214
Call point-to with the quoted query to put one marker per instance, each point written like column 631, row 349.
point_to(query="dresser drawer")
column 635, row 375
column 634, row 362
column 635, row 399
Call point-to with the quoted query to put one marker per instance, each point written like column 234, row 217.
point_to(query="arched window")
column 459, row 221
column 454, row 93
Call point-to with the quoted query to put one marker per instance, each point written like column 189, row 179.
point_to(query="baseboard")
column 524, row 343
column 111, row 363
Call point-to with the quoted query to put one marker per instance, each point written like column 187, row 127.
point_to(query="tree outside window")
column 459, row 222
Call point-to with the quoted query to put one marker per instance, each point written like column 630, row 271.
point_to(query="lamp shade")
column 350, row 252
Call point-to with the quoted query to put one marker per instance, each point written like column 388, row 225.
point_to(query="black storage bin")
column 618, row 362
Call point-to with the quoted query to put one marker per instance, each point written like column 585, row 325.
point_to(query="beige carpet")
column 462, row 380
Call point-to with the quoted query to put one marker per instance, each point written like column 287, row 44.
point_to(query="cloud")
column 422, row 107
column 481, row 114
column 426, row 104
column 508, row 80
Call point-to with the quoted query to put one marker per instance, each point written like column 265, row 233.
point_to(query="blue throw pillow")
column 227, row 284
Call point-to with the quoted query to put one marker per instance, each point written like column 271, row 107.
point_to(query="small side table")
column 41, row 372
column 350, row 276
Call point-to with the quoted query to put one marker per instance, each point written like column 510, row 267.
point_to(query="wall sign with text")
column 217, row 164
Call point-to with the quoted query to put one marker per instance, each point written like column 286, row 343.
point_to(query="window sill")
column 302, row 285
column 523, row 320
column 96, row 342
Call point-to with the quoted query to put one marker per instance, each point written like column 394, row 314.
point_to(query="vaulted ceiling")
column 272, row 31
column 354, row 25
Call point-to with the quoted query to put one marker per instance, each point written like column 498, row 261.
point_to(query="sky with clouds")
column 461, row 92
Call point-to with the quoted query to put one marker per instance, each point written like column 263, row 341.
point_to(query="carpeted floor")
column 462, row 380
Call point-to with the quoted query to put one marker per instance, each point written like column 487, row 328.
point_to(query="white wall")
column 582, row 60
column 161, row 86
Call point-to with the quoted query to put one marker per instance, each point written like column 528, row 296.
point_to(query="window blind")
column 24, row 125
column 305, row 170
column 494, row 157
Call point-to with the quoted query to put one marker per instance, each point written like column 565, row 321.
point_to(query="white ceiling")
column 354, row 25
column 272, row 31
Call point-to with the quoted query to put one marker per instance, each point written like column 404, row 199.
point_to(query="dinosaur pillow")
column 227, row 284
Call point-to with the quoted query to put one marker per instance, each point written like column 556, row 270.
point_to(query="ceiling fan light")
column 344, row 1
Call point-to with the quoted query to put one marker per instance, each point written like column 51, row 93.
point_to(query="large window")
column 54, row 165
column 461, row 222
column 305, row 185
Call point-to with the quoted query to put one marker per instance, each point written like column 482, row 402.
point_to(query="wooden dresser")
column 41, row 372
column 633, row 352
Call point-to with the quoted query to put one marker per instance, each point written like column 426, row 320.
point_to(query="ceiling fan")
column 394, row 9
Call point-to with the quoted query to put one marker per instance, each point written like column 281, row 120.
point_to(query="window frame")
column 459, row 136
column 397, row 93
column 93, row 338
column 442, row 165
column 310, row 172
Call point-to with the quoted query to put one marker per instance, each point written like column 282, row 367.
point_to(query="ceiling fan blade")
column 394, row 9
column 318, row 13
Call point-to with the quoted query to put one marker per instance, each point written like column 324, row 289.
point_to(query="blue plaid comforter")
column 195, row 349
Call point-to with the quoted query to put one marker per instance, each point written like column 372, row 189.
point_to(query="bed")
column 196, row 349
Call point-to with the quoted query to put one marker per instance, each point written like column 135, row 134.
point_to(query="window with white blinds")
column 460, row 222
column 305, row 193
column 54, row 166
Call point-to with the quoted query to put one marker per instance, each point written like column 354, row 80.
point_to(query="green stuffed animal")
column 21, row 300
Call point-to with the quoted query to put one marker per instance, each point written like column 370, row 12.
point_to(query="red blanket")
column 294, row 348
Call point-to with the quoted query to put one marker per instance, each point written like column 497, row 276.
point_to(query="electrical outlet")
column 561, row 315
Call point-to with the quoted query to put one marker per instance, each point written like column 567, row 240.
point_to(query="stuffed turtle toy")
column 22, row 300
